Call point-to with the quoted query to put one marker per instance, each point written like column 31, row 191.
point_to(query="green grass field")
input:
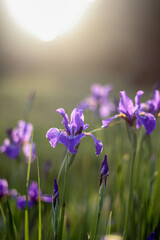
column 82, row 197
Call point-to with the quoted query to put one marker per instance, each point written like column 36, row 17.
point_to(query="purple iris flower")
column 10, row 148
column 17, row 138
column 152, row 236
column 33, row 197
column 131, row 112
column 55, row 193
column 4, row 191
column 73, row 132
column 99, row 101
column 104, row 171
column 22, row 133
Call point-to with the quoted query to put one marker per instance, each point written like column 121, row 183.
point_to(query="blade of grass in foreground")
column 39, row 204
column 27, row 183
column 11, row 227
column 108, row 231
column 3, row 215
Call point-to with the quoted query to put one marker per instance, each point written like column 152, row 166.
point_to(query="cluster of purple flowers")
column 131, row 113
column 33, row 194
column 19, row 138
column 33, row 197
column 99, row 101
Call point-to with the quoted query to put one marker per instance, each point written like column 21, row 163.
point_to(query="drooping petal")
column 11, row 149
column 26, row 150
column 77, row 121
column 106, row 122
column 98, row 144
column 147, row 120
column 53, row 135
column 70, row 141
column 126, row 105
column 65, row 119
column 137, row 99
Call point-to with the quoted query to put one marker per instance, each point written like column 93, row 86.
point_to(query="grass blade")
column 27, row 183
column 39, row 204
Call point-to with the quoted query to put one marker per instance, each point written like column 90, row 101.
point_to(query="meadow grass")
column 83, row 177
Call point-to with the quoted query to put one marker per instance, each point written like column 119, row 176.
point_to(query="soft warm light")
column 47, row 18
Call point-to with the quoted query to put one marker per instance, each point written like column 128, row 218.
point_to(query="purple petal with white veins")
column 65, row 119
column 98, row 144
column 53, row 135
column 77, row 121
column 70, row 141
column 126, row 105
column 147, row 120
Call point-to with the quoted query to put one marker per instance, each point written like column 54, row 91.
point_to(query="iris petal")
column 53, row 135
column 70, row 141
column 65, row 119
column 98, row 144
column 147, row 120
column 126, row 105
column 106, row 122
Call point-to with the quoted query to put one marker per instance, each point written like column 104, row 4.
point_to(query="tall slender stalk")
column 133, row 142
column 27, row 183
column 39, row 204
column 60, row 231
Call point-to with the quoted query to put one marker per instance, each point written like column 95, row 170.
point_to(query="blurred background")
column 116, row 42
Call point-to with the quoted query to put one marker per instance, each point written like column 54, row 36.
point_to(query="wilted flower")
column 33, row 197
column 17, row 138
column 104, row 171
column 130, row 113
column 4, row 191
column 73, row 132
column 99, row 101
column 55, row 193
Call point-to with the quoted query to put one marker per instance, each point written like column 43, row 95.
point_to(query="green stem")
column 39, row 204
column 97, row 224
column 63, row 201
column 130, row 194
column 27, row 183
column 100, row 205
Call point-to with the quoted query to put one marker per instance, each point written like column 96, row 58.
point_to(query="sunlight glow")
column 47, row 18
